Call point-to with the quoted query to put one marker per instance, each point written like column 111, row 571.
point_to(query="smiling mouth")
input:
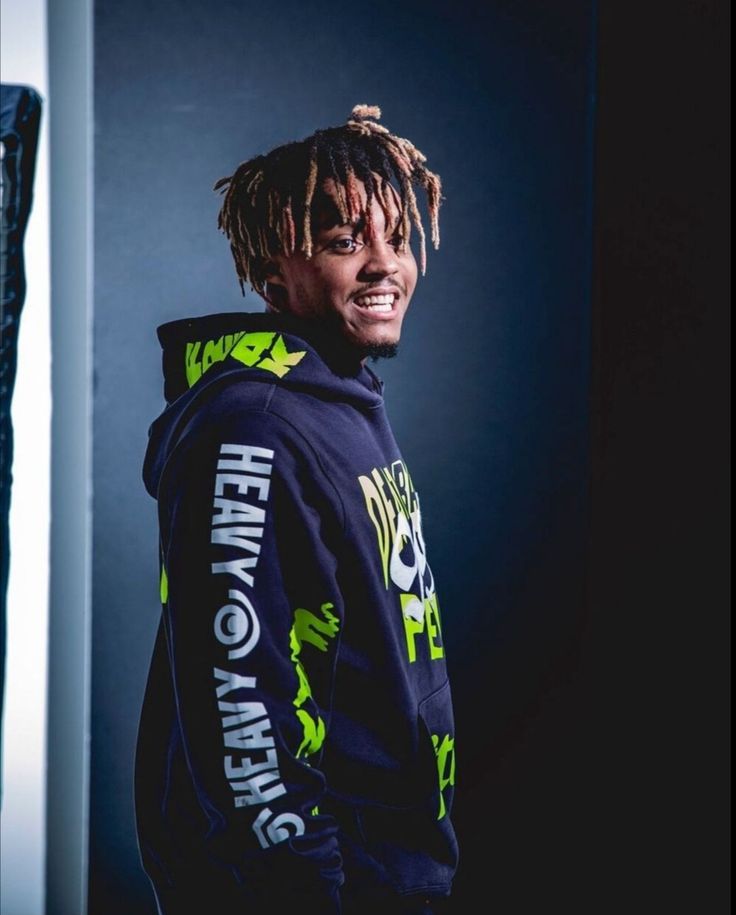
column 377, row 304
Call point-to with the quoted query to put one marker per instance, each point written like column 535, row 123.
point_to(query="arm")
column 253, row 617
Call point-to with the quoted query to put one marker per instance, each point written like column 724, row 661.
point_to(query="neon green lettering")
column 212, row 351
column 251, row 347
column 431, row 615
column 377, row 514
column 413, row 622
column 384, row 488
column 231, row 340
column 280, row 360
column 421, row 617
column 192, row 364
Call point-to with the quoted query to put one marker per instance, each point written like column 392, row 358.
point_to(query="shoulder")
column 239, row 411
column 241, row 421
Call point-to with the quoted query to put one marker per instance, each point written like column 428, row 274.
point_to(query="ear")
column 275, row 293
column 272, row 274
column 275, row 297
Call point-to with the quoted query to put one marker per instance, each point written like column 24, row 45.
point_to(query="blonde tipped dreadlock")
column 268, row 201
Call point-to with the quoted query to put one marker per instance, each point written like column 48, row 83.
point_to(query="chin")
column 381, row 344
column 384, row 343
column 381, row 350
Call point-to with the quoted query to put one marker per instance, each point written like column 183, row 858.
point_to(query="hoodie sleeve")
column 250, row 528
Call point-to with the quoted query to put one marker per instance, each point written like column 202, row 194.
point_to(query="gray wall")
column 489, row 395
column 70, row 51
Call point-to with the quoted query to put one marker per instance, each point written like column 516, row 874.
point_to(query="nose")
column 381, row 258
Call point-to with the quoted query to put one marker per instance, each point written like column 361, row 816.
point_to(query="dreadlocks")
column 270, row 200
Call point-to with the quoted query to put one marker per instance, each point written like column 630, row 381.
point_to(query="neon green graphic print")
column 445, row 752
column 164, row 586
column 310, row 629
column 393, row 507
column 421, row 618
column 260, row 349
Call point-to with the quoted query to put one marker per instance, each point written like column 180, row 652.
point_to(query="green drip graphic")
column 445, row 752
column 310, row 629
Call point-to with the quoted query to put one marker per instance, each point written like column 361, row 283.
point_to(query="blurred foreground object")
column 20, row 115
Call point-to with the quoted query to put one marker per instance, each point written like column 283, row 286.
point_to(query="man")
column 296, row 746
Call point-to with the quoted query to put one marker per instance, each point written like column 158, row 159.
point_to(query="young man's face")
column 346, row 272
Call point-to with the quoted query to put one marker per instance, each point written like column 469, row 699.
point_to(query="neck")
column 343, row 357
column 328, row 337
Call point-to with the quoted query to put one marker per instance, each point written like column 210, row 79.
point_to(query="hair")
column 271, row 202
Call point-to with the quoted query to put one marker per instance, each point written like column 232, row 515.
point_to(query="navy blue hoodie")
column 296, row 744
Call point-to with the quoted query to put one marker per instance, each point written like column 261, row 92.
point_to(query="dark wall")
column 489, row 395
column 658, row 644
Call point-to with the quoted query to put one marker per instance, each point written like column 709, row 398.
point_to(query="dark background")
column 657, row 640
column 578, row 564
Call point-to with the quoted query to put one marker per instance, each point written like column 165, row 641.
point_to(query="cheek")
column 337, row 280
column 411, row 274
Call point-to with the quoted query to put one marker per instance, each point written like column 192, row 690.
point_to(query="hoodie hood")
column 259, row 347
column 284, row 348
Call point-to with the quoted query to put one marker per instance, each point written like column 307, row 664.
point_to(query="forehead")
column 326, row 211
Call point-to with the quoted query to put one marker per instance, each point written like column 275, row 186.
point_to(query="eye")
column 345, row 243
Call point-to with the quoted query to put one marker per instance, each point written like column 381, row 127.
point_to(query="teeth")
column 377, row 302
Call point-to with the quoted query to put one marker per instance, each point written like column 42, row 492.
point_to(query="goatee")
column 376, row 351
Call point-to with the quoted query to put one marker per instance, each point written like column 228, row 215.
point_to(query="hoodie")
column 296, row 745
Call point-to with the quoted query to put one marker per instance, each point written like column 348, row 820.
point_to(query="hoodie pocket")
column 415, row 846
column 437, row 725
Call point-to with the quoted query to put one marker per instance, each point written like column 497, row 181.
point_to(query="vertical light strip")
column 71, row 133
column 23, row 820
